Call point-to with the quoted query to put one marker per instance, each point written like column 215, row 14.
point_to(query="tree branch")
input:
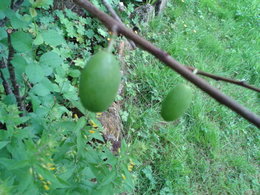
column 215, row 77
column 116, row 17
column 110, row 23
column 220, row 78
column 6, row 85
column 12, row 74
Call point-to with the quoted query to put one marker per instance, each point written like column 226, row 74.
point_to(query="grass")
column 209, row 150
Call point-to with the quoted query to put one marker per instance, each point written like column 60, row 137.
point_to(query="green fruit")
column 176, row 102
column 99, row 82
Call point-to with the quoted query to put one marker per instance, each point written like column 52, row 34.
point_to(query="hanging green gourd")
column 100, row 80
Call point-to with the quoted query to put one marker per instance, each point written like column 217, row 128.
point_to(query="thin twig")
column 220, row 78
column 12, row 74
column 116, row 17
column 109, row 22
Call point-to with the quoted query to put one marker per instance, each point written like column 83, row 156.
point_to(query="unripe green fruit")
column 176, row 102
column 99, row 82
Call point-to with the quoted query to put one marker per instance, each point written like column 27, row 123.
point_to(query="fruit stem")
column 113, row 37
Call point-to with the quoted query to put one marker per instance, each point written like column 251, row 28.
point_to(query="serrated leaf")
column 80, row 62
column 21, row 41
column 51, row 59
column 34, row 72
column 90, row 33
column 102, row 32
column 52, row 38
column 42, row 3
column 40, row 90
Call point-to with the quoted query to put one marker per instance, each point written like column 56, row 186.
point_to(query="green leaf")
column 21, row 41
column 34, row 72
column 20, row 64
column 2, row 15
column 47, row 175
column 74, row 73
column 51, row 59
column 102, row 32
column 3, row 144
column 13, row 164
column 52, row 38
column 33, row 12
column 38, row 40
column 3, row 33
column 49, row 85
column 35, row 101
column 40, row 90
column 45, row 4
column 9, row 99
column 90, row 33
column 17, row 21
column 5, row 4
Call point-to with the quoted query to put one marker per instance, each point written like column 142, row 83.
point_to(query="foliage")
column 58, row 148
column 53, row 149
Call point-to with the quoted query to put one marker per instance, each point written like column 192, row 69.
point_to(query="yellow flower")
column 123, row 176
column 46, row 187
column 52, row 168
column 98, row 114
column 108, row 39
column 76, row 116
column 92, row 123
column 131, row 162
column 130, row 167
column 185, row 25
column 91, row 131
column 50, row 164
column 40, row 177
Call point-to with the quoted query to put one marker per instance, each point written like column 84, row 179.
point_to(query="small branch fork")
column 116, row 17
column 109, row 22
column 199, row 72
column 220, row 78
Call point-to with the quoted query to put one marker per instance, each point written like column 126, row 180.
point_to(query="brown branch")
column 220, row 78
column 111, row 23
column 6, row 85
column 12, row 74
column 116, row 17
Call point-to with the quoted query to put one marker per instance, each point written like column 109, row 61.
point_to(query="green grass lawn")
column 209, row 150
